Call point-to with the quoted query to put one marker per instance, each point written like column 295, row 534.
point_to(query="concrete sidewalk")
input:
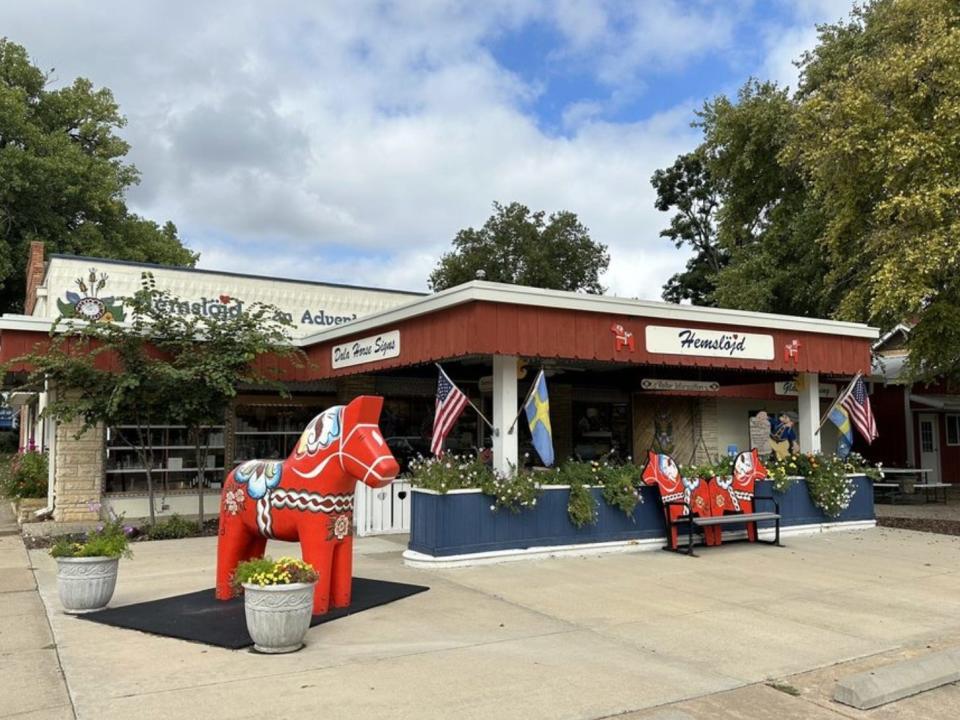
column 648, row 633
column 31, row 682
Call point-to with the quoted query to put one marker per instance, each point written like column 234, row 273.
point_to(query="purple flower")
column 129, row 530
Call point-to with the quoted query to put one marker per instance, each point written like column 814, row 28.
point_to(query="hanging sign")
column 708, row 343
column 679, row 385
column 790, row 388
column 365, row 350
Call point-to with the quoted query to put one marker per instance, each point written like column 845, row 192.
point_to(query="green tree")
column 522, row 247
column 63, row 177
column 160, row 368
column 688, row 186
column 879, row 139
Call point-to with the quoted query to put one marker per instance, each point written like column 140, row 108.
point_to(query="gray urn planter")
column 86, row 583
column 278, row 616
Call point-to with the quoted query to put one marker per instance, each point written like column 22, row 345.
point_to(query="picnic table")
column 895, row 483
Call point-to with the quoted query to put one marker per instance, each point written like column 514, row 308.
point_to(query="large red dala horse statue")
column 307, row 497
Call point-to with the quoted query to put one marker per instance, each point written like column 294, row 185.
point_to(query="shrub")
column 24, row 475
column 265, row 571
column 172, row 528
column 109, row 540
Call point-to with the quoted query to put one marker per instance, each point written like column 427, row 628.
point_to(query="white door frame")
column 929, row 445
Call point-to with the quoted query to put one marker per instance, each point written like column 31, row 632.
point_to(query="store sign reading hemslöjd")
column 708, row 343
column 365, row 350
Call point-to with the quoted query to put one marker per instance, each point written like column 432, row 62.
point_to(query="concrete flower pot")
column 86, row 583
column 278, row 616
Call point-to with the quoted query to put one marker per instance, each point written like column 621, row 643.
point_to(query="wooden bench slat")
column 733, row 519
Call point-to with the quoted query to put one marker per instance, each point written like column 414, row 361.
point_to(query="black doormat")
column 200, row 617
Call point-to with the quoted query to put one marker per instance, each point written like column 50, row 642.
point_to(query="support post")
column 808, row 402
column 504, row 408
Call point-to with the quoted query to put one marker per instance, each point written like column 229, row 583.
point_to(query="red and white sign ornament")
column 623, row 338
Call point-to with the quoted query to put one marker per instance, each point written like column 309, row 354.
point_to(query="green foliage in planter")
column 515, row 493
column 109, row 540
column 460, row 472
column 171, row 528
column 451, row 472
column 722, row 468
column 266, row 571
column 621, row 486
column 582, row 508
column 24, row 475
column 826, row 475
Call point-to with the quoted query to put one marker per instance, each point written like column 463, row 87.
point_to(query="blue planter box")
column 461, row 522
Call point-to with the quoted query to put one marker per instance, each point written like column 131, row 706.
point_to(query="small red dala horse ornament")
column 307, row 497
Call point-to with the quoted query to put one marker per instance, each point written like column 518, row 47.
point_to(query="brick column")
column 78, row 474
column 34, row 276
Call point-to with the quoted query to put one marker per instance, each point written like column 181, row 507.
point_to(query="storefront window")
column 601, row 430
column 269, row 431
column 175, row 459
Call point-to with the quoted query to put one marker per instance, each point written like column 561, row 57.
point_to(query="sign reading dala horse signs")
column 307, row 497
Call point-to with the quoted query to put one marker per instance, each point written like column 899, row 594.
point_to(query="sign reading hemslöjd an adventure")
column 365, row 350
column 708, row 343
column 94, row 290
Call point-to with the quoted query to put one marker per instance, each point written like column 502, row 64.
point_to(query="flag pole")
column 523, row 405
column 469, row 401
column 846, row 391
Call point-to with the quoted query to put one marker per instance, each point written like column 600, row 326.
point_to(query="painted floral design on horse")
column 260, row 476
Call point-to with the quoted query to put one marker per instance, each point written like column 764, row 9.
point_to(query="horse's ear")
column 363, row 409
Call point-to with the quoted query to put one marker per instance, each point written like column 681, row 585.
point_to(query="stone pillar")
column 808, row 403
column 78, row 474
column 505, row 445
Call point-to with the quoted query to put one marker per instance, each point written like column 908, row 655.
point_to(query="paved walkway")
column 31, row 682
column 652, row 634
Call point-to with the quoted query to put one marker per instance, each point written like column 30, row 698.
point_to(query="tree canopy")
column 159, row 368
column 63, row 177
column 522, row 247
column 842, row 199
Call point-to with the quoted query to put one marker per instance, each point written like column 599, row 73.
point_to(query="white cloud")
column 350, row 141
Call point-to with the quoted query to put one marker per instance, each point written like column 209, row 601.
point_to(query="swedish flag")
column 841, row 418
column 537, row 408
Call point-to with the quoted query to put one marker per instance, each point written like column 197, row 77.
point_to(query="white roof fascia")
column 483, row 291
column 9, row 321
column 899, row 327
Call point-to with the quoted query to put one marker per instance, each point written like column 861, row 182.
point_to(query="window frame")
column 953, row 419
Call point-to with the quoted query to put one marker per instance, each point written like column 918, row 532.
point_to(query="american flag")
column 857, row 403
column 450, row 403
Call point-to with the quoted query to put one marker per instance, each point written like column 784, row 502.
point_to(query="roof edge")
column 483, row 291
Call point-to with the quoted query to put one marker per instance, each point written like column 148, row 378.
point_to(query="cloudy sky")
column 349, row 141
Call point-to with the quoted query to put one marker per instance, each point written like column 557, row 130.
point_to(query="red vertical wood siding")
column 482, row 328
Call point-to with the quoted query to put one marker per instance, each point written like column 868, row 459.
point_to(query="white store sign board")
column 366, row 350
column 708, row 343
